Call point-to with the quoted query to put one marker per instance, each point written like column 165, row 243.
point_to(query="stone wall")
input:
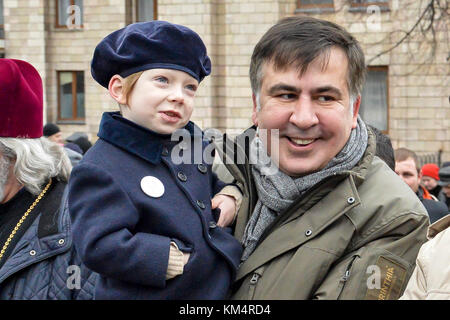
column 419, row 109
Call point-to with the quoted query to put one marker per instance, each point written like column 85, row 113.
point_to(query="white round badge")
column 152, row 186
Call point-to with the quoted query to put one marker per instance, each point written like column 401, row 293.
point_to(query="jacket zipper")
column 346, row 276
column 253, row 282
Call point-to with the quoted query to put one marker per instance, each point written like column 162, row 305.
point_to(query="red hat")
column 430, row 170
column 21, row 100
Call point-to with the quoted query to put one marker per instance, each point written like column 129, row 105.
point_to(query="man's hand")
column 227, row 206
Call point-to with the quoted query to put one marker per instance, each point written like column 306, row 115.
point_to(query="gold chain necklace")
column 25, row 215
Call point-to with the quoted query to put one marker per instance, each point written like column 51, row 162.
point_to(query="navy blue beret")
column 150, row 45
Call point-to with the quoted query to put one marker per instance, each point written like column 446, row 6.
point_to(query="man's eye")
column 325, row 98
column 287, row 96
column 407, row 174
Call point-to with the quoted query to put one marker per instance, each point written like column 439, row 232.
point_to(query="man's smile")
column 301, row 142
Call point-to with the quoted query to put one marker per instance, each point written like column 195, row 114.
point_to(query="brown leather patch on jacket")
column 392, row 277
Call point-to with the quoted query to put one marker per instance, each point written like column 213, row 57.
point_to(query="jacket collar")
column 423, row 193
column 343, row 198
column 359, row 171
column 241, row 144
column 136, row 139
column 438, row 226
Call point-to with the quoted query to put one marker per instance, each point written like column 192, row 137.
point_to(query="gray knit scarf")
column 277, row 191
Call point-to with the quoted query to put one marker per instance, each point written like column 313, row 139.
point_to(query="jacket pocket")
column 346, row 275
column 254, row 279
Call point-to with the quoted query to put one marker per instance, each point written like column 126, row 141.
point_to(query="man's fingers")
column 225, row 220
column 214, row 203
column 221, row 222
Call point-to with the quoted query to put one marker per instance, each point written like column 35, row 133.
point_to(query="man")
column 53, row 133
column 406, row 166
column 429, row 174
column 444, row 182
column 334, row 222
column 37, row 259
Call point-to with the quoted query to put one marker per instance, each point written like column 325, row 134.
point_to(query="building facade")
column 407, row 52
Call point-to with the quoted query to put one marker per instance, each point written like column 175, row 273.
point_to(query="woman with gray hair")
column 37, row 258
column 46, row 159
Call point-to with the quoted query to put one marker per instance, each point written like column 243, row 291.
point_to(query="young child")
column 144, row 223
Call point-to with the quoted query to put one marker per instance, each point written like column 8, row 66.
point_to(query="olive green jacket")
column 354, row 235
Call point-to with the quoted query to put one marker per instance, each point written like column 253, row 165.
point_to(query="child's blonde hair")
column 129, row 82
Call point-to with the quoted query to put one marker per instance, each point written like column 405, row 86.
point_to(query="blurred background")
column 406, row 43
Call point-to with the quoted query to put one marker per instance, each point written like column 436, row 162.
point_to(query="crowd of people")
column 343, row 216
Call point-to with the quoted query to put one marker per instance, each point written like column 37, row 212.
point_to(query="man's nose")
column 304, row 114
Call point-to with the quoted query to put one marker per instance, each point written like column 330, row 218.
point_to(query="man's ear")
column 255, row 109
column 115, row 89
column 356, row 105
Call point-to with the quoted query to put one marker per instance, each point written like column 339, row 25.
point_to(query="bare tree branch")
column 429, row 7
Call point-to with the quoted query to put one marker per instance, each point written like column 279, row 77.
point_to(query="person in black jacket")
column 37, row 257
column 429, row 174
column 53, row 133
column 384, row 148
column 140, row 201
column 406, row 167
column 444, row 182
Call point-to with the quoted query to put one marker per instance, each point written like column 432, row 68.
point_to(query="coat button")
column 202, row 168
column 182, row 176
column 32, row 253
column 212, row 225
column 350, row 200
column 308, row 232
column 201, row 204
column 165, row 152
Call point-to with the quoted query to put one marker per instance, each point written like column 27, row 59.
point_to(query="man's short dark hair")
column 297, row 41
column 384, row 149
column 403, row 154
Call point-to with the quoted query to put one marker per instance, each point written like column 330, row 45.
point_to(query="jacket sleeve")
column 103, row 216
column 80, row 279
column 379, row 269
column 217, row 184
column 417, row 288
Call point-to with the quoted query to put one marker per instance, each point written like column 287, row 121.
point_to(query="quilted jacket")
column 44, row 264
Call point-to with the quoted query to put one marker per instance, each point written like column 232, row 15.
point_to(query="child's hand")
column 227, row 206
